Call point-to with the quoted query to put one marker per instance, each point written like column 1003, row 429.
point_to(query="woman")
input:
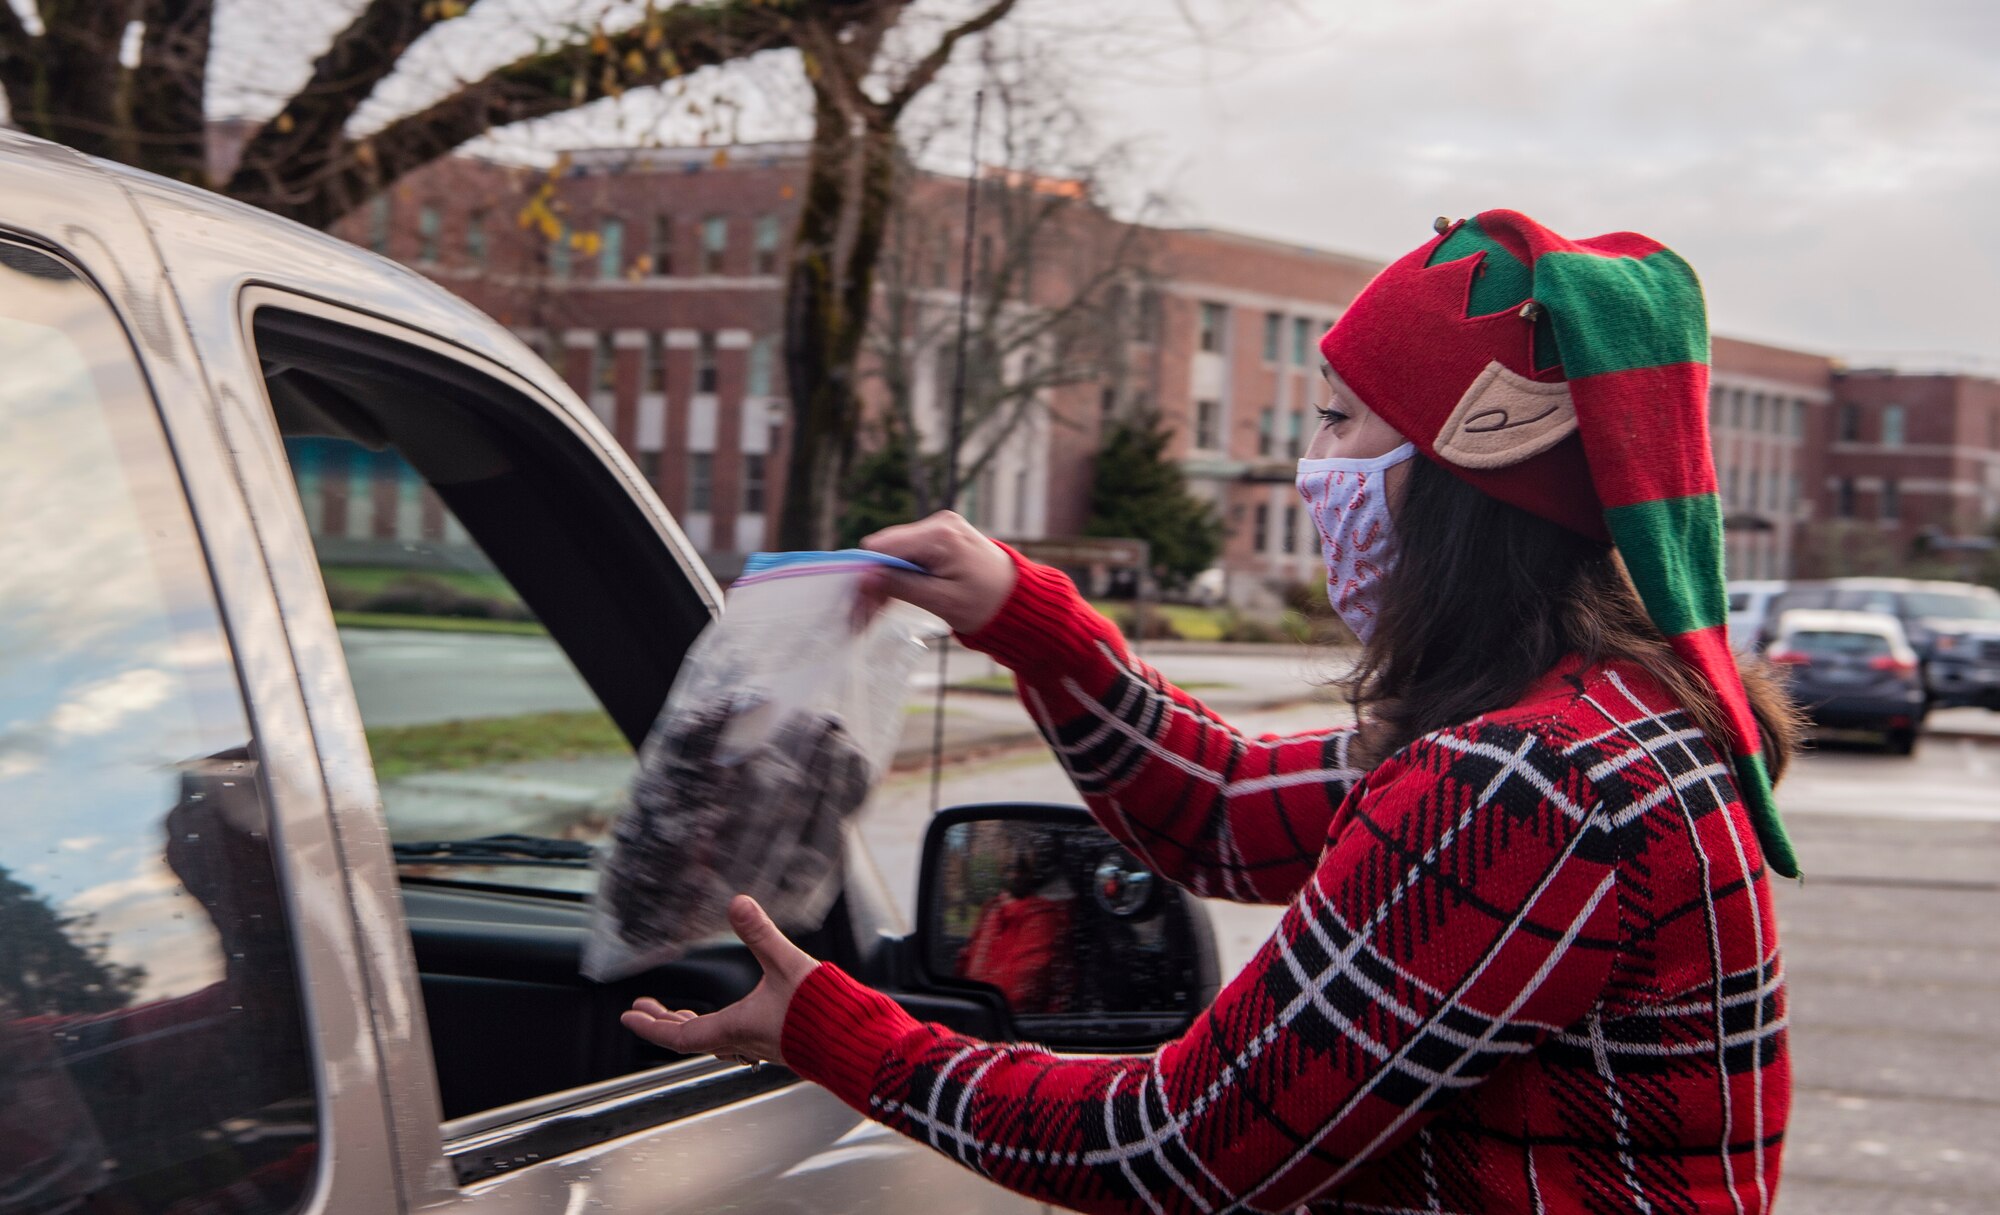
column 1528, row 961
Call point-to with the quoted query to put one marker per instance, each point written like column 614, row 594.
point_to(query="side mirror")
column 1087, row 948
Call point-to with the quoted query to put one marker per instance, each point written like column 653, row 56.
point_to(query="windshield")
column 1826, row 643
column 1954, row 605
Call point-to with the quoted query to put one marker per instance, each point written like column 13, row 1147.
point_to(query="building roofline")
column 1276, row 245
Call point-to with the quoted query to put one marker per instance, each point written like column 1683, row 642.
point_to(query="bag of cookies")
column 783, row 718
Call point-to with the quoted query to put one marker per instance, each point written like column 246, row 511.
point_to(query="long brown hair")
column 1485, row 598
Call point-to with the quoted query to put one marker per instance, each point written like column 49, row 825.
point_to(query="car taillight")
column 1889, row 662
column 1790, row 658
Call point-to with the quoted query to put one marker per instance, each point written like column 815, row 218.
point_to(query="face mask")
column 1349, row 501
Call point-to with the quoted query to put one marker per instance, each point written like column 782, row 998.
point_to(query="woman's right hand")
column 969, row 576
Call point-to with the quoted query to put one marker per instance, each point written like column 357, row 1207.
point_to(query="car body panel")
column 185, row 270
column 51, row 195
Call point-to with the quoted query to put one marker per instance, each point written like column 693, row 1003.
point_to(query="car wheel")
column 1903, row 741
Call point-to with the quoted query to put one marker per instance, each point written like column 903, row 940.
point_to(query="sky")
column 1824, row 166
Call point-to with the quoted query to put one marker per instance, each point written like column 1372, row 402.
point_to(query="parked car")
column 1749, row 604
column 1953, row 626
column 1852, row 671
column 247, row 960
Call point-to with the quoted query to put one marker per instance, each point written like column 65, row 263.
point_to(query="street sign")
column 1085, row 550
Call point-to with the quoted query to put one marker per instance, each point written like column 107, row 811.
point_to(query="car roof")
column 1830, row 620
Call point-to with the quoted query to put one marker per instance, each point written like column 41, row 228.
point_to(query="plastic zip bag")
column 779, row 725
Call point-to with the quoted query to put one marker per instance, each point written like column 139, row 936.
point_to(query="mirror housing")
column 1039, row 908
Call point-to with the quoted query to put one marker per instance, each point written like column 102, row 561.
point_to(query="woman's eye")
column 1329, row 416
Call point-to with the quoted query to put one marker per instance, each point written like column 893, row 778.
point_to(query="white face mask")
column 1349, row 501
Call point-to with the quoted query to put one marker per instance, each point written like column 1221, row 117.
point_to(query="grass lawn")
column 484, row 741
column 374, row 579
column 437, row 624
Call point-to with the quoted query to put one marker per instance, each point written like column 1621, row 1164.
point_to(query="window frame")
column 589, row 1115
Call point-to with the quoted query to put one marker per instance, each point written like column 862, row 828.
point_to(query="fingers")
column 772, row 949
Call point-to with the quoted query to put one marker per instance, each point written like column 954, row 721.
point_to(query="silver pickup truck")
column 250, row 964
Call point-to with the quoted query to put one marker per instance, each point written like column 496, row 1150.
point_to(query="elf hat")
column 1570, row 378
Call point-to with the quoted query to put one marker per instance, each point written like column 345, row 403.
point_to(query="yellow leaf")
column 551, row 228
column 635, row 63
column 284, row 124
column 599, row 44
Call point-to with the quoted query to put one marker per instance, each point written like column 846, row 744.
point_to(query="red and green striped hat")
column 1570, row 378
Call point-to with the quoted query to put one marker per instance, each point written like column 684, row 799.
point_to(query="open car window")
column 509, row 629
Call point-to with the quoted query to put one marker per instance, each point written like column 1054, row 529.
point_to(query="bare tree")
column 1057, row 275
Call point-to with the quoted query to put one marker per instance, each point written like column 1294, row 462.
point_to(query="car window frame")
column 483, row 1144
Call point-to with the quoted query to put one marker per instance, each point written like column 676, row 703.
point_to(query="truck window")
column 152, row 1053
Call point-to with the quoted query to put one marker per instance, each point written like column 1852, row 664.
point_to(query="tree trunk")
column 843, row 221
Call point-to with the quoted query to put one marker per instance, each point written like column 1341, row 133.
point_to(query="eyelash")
column 1328, row 415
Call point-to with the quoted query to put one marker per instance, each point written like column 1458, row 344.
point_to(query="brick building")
column 1915, row 457
column 654, row 284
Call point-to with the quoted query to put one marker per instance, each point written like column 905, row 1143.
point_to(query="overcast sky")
column 1831, row 168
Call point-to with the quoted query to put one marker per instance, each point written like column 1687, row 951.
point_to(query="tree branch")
column 927, row 68
column 320, row 185
column 169, row 87
column 313, row 123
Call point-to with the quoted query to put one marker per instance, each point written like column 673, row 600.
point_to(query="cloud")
column 149, row 920
column 99, row 708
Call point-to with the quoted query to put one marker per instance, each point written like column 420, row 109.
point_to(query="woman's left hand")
column 750, row 1030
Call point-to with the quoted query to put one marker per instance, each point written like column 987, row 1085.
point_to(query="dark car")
column 1852, row 671
column 1954, row 627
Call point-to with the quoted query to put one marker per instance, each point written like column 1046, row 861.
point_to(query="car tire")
column 1902, row 742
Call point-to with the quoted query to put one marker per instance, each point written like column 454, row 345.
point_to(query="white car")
column 1749, row 607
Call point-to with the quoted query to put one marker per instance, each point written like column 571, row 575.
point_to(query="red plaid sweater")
column 1528, row 963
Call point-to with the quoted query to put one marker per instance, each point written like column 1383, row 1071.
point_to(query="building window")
column 1260, row 529
column 753, row 483
column 1274, row 335
column 429, row 224
column 1843, row 498
column 378, row 224
column 1892, row 500
column 1267, row 425
column 1295, row 428
column 656, row 362
column 701, row 482
column 611, row 250
column 1302, row 341
column 1798, row 419
column 475, row 237
column 1756, row 411
column 1892, row 426
column 1207, row 414
column 1149, row 316
column 1107, row 404
column 604, row 363
column 663, row 244
column 1729, row 486
column 1850, row 423
column 761, row 357
column 558, row 255
column 1755, row 498
column 767, row 244
column 1289, row 538
column 649, row 467
column 704, row 362
column 714, row 243
column 1214, row 322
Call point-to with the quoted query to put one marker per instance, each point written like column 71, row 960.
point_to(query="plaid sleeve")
column 1466, row 912
column 1221, row 813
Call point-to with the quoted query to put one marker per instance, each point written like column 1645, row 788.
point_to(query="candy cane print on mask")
column 1349, row 501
